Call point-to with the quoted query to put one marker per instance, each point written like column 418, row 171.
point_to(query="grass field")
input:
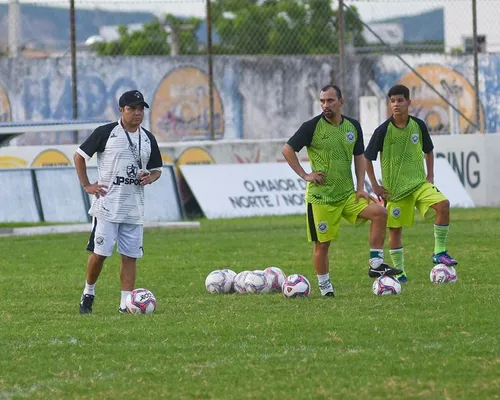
column 433, row 342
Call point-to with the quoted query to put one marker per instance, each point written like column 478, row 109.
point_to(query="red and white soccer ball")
column 443, row 274
column 140, row 301
column 257, row 282
column 219, row 281
column 296, row 285
column 277, row 277
column 386, row 285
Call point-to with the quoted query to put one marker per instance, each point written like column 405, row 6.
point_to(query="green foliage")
column 429, row 342
column 153, row 39
column 245, row 27
column 280, row 27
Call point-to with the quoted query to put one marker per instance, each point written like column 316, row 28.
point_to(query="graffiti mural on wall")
column 51, row 158
column 180, row 109
column 96, row 98
column 5, row 115
column 437, row 113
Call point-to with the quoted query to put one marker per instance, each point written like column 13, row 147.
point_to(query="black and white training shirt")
column 118, row 168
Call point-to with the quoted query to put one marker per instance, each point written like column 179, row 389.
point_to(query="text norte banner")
column 243, row 190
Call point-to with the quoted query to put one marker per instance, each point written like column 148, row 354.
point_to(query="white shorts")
column 106, row 234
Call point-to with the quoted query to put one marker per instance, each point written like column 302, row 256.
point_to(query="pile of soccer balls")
column 387, row 285
column 270, row 280
column 273, row 279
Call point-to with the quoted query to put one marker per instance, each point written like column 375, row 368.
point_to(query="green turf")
column 432, row 342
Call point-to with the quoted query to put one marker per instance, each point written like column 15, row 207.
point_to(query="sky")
column 458, row 13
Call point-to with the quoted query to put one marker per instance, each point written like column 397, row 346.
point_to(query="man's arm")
column 81, row 171
column 360, row 170
column 429, row 163
column 377, row 189
column 294, row 163
column 370, row 171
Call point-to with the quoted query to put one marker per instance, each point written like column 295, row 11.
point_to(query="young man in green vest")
column 333, row 141
column 404, row 143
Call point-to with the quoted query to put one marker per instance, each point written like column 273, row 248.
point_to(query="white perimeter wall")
column 474, row 158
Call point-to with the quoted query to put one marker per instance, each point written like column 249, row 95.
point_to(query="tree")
column 153, row 38
column 280, row 27
column 186, row 33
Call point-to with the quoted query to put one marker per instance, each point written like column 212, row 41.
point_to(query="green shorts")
column 323, row 220
column 402, row 213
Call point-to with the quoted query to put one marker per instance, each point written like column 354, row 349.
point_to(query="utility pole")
column 476, row 66
column 72, row 34
column 210, row 70
column 341, row 33
column 14, row 28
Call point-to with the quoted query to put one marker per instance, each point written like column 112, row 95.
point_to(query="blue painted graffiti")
column 41, row 101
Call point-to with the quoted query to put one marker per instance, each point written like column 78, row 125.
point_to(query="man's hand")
column 362, row 193
column 380, row 191
column 315, row 177
column 430, row 178
column 148, row 178
column 96, row 189
column 145, row 178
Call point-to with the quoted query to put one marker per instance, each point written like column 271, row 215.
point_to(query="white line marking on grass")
column 58, row 229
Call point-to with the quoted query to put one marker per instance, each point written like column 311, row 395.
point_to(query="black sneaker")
column 384, row 269
column 86, row 303
column 122, row 310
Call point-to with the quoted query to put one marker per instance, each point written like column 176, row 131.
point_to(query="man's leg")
column 378, row 217
column 322, row 267
column 128, row 272
column 322, row 227
column 400, row 214
column 94, row 268
column 397, row 252
column 441, row 229
column 127, row 278
column 130, row 239
column 101, row 243
column 429, row 200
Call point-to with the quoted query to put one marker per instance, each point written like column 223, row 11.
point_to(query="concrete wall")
column 256, row 97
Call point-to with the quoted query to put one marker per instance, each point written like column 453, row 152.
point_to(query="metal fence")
column 351, row 33
column 172, row 27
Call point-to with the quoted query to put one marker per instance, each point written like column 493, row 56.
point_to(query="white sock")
column 376, row 257
column 89, row 289
column 124, row 295
column 323, row 278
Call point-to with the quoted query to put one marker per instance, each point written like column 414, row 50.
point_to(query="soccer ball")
column 219, row 281
column 296, row 285
column 386, row 285
column 277, row 277
column 239, row 282
column 257, row 282
column 140, row 301
column 231, row 274
column 443, row 274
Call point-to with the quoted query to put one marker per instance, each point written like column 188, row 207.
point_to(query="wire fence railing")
column 355, row 47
